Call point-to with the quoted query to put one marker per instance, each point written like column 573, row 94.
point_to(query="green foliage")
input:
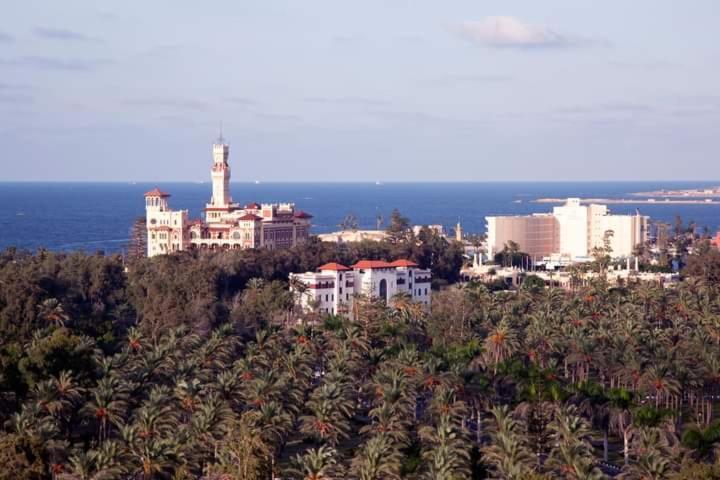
column 697, row 471
column 533, row 283
column 648, row 416
column 702, row 441
column 399, row 229
column 102, row 376
column 51, row 353
column 704, row 264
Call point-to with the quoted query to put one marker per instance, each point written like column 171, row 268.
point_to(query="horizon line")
column 355, row 182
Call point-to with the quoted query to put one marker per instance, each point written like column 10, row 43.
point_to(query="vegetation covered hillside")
column 186, row 367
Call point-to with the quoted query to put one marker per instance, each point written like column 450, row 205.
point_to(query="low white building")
column 334, row 287
column 353, row 236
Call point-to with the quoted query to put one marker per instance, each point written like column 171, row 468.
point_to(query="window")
column 347, row 296
column 327, row 297
column 426, row 291
column 341, row 290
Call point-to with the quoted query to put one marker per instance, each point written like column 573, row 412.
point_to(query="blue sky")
column 330, row 90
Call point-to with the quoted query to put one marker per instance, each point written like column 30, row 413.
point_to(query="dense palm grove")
column 188, row 366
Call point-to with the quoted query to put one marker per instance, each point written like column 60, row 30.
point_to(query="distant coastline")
column 696, row 192
column 634, row 201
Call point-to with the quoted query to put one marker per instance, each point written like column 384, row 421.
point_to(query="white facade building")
column 572, row 231
column 333, row 288
column 227, row 225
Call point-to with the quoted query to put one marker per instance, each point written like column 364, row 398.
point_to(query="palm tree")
column 325, row 422
column 621, row 401
column 445, row 453
column 377, row 459
column 242, row 452
column 500, row 344
column 660, row 384
column 703, row 442
column 149, row 456
column 51, row 310
column 317, row 464
column 107, row 405
column 571, row 455
column 508, row 454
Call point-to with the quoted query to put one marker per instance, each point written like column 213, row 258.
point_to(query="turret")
column 220, row 174
column 458, row 232
column 156, row 201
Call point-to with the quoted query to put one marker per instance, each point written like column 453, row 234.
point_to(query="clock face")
column 153, row 221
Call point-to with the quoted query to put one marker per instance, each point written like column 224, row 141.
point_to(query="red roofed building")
column 334, row 267
column 716, row 241
column 333, row 287
column 372, row 264
column 156, row 192
column 227, row 225
column 404, row 263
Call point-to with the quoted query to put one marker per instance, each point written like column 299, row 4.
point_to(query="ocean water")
column 98, row 216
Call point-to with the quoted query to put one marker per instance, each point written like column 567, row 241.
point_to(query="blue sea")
column 98, row 216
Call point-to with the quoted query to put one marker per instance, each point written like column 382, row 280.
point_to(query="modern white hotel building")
column 227, row 225
column 571, row 231
column 333, row 287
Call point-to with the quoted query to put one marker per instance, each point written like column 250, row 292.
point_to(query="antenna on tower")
column 221, row 140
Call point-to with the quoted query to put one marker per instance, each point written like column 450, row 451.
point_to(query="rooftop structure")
column 332, row 289
column 716, row 240
column 572, row 230
column 226, row 225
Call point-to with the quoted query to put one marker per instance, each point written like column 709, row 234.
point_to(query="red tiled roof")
column 301, row 214
column 333, row 266
column 156, row 192
column 253, row 206
column 370, row 264
column 250, row 216
column 403, row 263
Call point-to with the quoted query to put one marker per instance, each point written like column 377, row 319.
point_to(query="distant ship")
column 257, row 182
column 517, row 201
column 378, row 182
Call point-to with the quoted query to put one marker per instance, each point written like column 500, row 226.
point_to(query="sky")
column 334, row 90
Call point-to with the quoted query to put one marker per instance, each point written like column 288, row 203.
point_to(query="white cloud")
column 502, row 31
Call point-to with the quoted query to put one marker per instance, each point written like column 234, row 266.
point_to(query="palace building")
column 333, row 287
column 227, row 225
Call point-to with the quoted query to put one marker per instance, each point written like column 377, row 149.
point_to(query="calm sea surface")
column 98, row 216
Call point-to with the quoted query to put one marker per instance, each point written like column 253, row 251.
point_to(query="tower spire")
column 220, row 139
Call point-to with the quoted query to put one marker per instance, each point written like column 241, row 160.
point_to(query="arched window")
column 383, row 290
